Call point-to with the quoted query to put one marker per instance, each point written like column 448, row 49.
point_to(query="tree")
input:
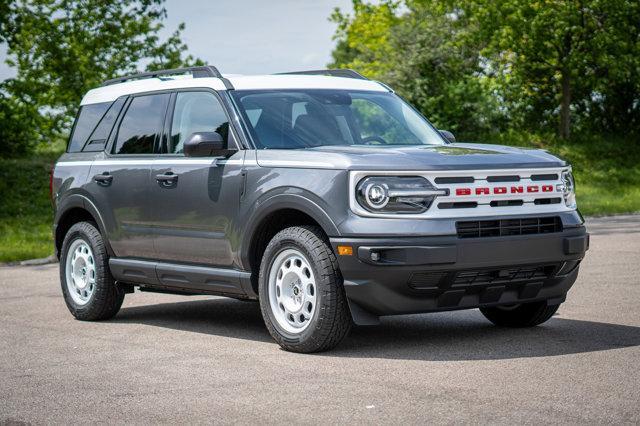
column 548, row 48
column 439, row 68
column 62, row 48
column 423, row 50
column 614, row 104
column 481, row 66
column 363, row 39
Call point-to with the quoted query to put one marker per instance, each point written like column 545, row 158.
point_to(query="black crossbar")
column 197, row 72
column 346, row 73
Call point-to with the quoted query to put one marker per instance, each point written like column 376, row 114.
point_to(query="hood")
column 455, row 156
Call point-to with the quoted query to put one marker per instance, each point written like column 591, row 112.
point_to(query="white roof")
column 293, row 81
column 240, row 82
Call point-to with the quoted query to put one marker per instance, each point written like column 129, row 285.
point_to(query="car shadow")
column 220, row 317
column 449, row 336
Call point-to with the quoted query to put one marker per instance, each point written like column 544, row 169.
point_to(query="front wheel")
column 302, row 298
column 521, row 315
column 89, row 290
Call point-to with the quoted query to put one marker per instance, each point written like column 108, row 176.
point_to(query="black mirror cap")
column 205, row 144
column 447, row 135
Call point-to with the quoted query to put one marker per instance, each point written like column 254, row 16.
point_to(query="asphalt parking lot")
column 210, row 360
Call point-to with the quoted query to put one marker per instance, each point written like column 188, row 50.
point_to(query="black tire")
column 331, row 320
column 523, row 315
column 106, row 298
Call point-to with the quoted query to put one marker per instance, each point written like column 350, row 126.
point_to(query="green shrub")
column 25, row 208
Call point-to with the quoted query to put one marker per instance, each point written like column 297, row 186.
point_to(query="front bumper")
column 388, row 276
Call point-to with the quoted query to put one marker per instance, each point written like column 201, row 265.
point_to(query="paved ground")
column 197, row 360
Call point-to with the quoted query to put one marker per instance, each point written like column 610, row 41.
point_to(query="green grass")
column 25, row 208
column 607, row 173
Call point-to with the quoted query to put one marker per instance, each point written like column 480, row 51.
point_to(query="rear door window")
column 87, row 120
column 141, row 126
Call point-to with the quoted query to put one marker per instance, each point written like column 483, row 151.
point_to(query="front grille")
column 442, row 281
column 455, row 179
column 542, row 201
column 512, row 178
column 550, row 176
column 458, row 205
column 508, row 227
column 496, row 276
column 426, row 280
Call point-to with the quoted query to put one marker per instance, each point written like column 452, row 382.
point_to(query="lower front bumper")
column 386, row 276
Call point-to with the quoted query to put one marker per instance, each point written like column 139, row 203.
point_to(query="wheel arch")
column 276, row 213
column 76, row 208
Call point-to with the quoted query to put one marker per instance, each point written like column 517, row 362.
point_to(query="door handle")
column 103, row 179
column 167, row 179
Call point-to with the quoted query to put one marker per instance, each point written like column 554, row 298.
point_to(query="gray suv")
column 321, row 194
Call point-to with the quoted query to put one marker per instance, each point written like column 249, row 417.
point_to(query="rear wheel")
column 301, row 294
column 521, row 315
column 87, row 286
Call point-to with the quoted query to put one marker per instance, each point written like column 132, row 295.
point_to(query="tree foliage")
column 479, row 66
column 62, row 48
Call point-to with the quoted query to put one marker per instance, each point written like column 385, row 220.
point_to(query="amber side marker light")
column 345, row 250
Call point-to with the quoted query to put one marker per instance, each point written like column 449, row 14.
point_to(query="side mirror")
column 204, row 144
column 448, row 135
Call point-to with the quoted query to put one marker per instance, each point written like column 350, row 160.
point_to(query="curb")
column 33, row 262
column 43, row 261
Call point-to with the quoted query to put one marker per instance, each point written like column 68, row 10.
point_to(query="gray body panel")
column 457, row 156
column 125, row 204
column 194, row 221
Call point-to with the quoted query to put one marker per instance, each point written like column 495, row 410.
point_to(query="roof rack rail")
column 346, row 73
column 197, row 72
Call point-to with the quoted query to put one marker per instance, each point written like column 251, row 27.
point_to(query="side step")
column 182, row 278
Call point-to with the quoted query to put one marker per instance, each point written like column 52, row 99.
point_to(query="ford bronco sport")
column 321, row 194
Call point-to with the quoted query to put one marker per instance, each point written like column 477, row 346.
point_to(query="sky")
column 251, row 36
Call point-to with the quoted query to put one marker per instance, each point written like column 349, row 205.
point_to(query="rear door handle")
column 103, row 179
column 167, row 179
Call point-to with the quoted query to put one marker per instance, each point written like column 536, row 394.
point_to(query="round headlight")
column 396, row 194
column 376, row 195
column 568, row 189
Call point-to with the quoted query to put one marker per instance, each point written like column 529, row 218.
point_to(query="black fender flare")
column 77, row 200
column 270, row 203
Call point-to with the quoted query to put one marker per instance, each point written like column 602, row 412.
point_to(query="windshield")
column 294, row 119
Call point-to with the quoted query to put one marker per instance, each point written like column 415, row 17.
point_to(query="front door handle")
column 167, row 179
column 103, row 179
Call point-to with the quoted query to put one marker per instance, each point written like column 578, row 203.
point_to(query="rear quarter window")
column 98, row 138
column 88, row 118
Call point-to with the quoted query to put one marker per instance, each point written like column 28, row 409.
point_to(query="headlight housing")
column 568, row 189
column 396, row 194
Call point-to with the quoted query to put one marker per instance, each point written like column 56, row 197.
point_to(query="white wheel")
column 80, row 271
column 302, row 299
column 292, row 291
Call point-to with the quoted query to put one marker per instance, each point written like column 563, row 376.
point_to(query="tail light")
column 51, row 182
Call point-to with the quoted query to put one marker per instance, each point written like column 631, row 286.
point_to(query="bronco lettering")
column 503, row 190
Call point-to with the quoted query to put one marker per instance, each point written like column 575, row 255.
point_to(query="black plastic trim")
column 180, row 277
column 197, row 72
column 380, row 287
column 345, row 73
